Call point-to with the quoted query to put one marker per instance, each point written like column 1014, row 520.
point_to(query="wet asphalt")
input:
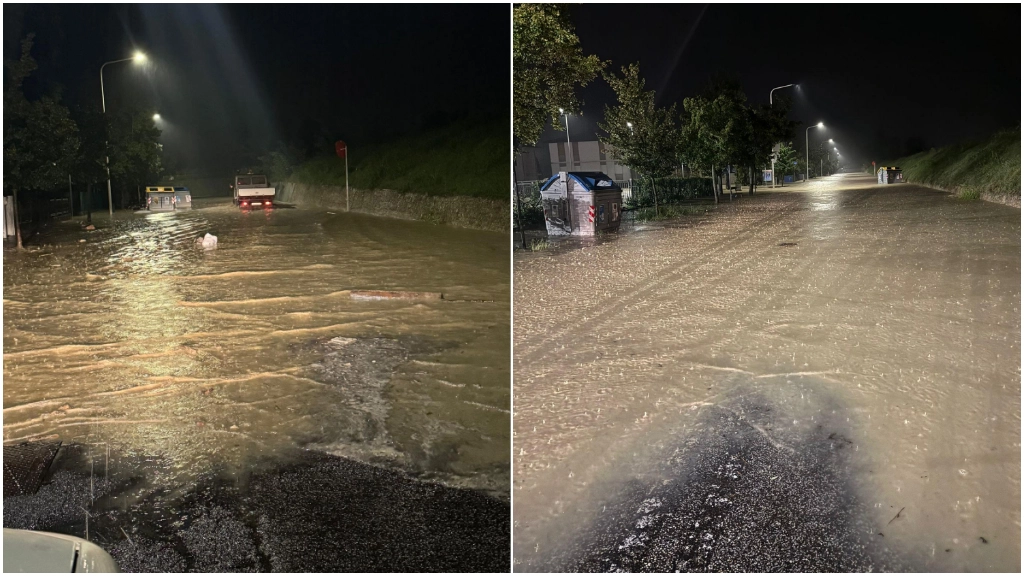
column 747, row 493
column 827, row 380
column 319, row 513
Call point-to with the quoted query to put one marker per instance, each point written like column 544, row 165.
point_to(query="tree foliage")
column 40, row 139
column 548, row 64
column 134, row 147
column 650, row 145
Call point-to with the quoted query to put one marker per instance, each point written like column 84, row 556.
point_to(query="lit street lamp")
column 138, row 58
column 807, row 148
column 770, row 103
column 156, row 117
column 821, row 169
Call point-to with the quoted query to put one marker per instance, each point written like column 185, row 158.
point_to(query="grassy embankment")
column 988, row 169
column 463, row 159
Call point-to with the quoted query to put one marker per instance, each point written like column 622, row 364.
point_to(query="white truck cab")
column 253, row 190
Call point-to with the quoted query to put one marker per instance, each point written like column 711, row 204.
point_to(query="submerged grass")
column 972, row 169
column 464, row 159
column 538, row 245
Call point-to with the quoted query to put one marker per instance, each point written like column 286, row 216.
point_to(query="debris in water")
column 982, row 538
column 897, row 515
column 208, row 242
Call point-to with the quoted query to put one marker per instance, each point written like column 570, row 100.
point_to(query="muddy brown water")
column 232, row 359
column 866, row 335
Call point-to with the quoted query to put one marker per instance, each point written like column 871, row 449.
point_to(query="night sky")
column 232, row 79
column 882, row 78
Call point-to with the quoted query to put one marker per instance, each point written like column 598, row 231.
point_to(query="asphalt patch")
column 320, row 513
column 739, row 496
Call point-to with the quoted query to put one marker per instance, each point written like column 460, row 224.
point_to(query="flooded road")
column 823, row 380
column 231, row 362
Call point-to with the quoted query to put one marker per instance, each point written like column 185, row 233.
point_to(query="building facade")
column 542, row 162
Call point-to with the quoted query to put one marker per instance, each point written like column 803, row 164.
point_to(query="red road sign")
column 340, row 148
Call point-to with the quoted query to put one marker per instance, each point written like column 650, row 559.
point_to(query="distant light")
column 156, row 116
column 561, row 111
column 139, row 57
column 629, row 124
column 830, row 141
column 821, row 124
column 836, row 149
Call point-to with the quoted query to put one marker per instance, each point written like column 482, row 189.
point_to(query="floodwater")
column 819, row 380
column 227, row 362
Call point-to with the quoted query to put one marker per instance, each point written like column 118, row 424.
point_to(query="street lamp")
column 774, row 89
column 807, row 147
column 138, row 58
column 156, row 117
column 770, row 103
column 568, row 143
column 821, row 169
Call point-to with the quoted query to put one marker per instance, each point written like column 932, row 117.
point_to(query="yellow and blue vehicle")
column 168, row 198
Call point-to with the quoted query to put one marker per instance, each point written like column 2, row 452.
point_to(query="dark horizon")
column 233, row 80
column 923, row 76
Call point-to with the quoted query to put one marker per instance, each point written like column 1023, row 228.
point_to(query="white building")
column 546, row 160
column 592, row 156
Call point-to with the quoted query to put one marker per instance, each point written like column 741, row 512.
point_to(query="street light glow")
column 139, row 57
column 561, row 111
column 629, row 124
column 821, row 124
column 156, row 116
column 830, row 141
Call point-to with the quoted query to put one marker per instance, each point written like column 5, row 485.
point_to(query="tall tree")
column 134, row 149
column 40, row 138
column 547, row 66
column 89, row 166
column 644, row 136
column 703, row 139
column 786, row 158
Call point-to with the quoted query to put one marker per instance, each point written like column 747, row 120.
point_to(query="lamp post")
column 821, row 169
column 138, row 58
column 568, row 143
column 774, row 89
column 770, row 103
column 807, row 147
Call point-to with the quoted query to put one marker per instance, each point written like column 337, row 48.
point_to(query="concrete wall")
column 458, row 211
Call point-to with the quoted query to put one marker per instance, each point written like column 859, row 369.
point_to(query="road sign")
column 340, row 148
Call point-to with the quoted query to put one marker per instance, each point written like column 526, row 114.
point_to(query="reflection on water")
column 216, row 358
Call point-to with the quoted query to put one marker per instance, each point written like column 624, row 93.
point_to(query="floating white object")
column 209, row 242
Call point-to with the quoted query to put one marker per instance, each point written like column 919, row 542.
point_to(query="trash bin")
column 890, row 175
column 581, row 203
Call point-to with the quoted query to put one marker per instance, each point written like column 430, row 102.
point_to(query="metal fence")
column 532, row 211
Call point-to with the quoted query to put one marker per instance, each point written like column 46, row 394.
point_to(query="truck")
column 253, row 190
